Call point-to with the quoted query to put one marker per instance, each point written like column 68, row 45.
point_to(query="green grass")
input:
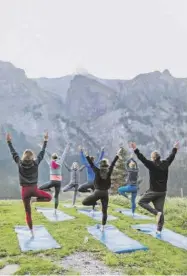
column 161, row 258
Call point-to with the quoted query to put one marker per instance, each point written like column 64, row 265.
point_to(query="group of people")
column 98, row 179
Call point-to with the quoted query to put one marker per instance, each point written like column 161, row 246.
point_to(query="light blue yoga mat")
column 42, row 239
column 115, row 240
column 51, row 216
column 128, row 212
column 167, row 235
column 97, row 215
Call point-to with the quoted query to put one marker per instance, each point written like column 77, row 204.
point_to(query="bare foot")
column 32, row 233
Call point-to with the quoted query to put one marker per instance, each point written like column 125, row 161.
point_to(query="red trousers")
column 32, row 191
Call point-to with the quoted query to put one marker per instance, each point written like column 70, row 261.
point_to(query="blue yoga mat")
column 49, row 214
column 128, row 213
column 167, row 235
column 115, row 240
column 96, row 216
column 41, row 241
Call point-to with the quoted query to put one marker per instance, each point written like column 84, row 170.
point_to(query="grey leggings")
column 92, row 199
column 57, row 186
column 86, row 187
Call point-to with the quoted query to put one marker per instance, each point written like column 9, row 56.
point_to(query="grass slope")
column 160, row 259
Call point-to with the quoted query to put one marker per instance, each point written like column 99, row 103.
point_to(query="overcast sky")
column 109, row 38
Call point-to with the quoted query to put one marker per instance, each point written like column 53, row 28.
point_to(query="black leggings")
column 92, row 199
column 57, row 185
column 86, row 187
column 158, row 200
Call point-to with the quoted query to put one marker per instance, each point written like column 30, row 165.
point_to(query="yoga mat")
column 167, row 235
column 49, row 214
column 41, row 241
column 128, row 212
column 97, row 215
column 115, row 240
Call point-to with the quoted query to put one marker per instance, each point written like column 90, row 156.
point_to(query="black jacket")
column 28, row 170
column 158, row 171
column 100, row 183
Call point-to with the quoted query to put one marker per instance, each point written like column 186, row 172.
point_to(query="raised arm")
column 67, row 167
column 100, row 156
column 12, row 150
column 171, row 157
column 83, row 158
column 40, row 156
column 148, row 163
column 114, row 162
column 95, row 169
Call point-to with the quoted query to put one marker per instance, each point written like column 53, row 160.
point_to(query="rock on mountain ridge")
column 150, row 109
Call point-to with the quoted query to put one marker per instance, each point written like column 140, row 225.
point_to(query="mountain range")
column 82, row 109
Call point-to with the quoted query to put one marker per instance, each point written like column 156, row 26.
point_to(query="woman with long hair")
column 55, row 165
column 28, row 177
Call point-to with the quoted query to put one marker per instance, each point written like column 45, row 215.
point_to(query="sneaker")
column 55, row 212
column 158, row 217
column 158, row 234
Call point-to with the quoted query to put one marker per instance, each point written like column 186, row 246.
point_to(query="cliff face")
column 150, row 109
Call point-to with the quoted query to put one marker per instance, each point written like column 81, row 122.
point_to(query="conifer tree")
column 119, row 173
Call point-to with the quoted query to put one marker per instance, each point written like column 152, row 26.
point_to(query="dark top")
column 100, row 183
column 158, row 171
column 132, row 177
column 28, row 170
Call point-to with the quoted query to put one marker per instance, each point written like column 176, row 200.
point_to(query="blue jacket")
column 90, row 172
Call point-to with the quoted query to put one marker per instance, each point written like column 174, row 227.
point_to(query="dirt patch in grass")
column 86, row 264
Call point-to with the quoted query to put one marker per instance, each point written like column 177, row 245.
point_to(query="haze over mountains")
column 150, row 109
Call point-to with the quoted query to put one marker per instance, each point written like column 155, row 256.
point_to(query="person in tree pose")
column 74, row 178
column 102, row 184
column 131, row 182
column 55, row 165
column 28, row 177
column 158, row 172
column 89, row 185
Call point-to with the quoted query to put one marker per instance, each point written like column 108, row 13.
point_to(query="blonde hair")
column 132, row 164
column 104, row 162
column 54, row 156
column 155, row 155
column 28, row 155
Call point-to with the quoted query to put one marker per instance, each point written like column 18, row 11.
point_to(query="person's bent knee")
column 84, row 202
column 80, row 189
column 121, row 190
